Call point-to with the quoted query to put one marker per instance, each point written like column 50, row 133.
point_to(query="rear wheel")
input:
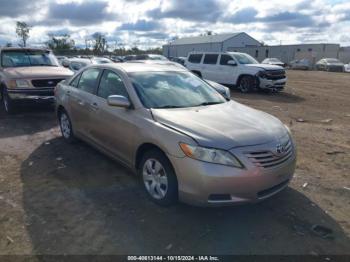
column 159, row 178
column 246, row 84
column 66, row 127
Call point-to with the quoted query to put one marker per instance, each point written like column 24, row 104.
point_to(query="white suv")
column 238, row 69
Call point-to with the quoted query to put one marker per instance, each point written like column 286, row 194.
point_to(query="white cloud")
column 155, row 22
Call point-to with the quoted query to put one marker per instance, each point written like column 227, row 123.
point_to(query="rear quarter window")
column 195, row 58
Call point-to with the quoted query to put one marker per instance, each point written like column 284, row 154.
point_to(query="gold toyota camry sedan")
column 182, row 137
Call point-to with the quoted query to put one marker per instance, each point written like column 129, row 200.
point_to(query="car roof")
column 144, row 67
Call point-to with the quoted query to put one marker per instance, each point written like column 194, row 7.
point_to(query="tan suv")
column 178, row 133
column 28, row 75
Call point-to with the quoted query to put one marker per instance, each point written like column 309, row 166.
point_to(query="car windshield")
column 173, row 90
column 244, row 59
column 273, row 60
column 20, row 58
column 332, row 60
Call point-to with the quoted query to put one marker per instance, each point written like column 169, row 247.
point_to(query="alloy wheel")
column 155, row 178
column 65, row 126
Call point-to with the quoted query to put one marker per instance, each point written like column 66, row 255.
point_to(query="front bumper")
column 207, row 184
column 265, row 83
column 29, row 95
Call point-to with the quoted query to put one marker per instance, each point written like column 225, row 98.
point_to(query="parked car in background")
column 100, row 60
column 273, row 61
column 223, row 90
column 330, row 64
column 347, row 68
column 181, row 137
column 145, row 57
column 240, row 69
column 60, row 59
column 180, row 60
column 75, row 64
column 302, row 64
column 29, row 75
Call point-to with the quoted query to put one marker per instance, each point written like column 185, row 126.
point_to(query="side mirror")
column 118, row 101
column 232, row 63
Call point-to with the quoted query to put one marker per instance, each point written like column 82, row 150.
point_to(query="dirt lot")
column 57, row 198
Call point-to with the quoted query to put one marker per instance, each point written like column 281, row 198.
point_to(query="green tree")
column 60, row 43
column 100, row 43
column 22, row 30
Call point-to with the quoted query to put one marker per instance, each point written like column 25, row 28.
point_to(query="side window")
column 75, row 81
column 210, row 59
column 195, row 58
column 224, row 59
column 88, row 80
column 111, row 84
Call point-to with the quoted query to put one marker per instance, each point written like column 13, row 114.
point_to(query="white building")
column 215, row 43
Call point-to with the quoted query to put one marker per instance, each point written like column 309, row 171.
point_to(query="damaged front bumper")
column 278, row 84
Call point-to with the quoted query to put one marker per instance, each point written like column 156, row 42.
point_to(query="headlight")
column 18, row 83
column 262, row 74
column 211, row 155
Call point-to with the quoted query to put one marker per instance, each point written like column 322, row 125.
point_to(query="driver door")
column 113, row 128
column 227, row 74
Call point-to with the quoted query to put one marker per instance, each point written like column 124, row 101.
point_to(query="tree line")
column 97, row 44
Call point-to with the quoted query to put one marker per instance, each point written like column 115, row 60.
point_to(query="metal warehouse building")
column 287, row 53
column 242, row 42
column 215, row 43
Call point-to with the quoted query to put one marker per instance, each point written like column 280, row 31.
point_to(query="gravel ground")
column 57, row 198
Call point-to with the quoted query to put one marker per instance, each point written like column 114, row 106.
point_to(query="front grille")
column 275, row 74
column 46, row 82
column 269, row 159
column 271, row 190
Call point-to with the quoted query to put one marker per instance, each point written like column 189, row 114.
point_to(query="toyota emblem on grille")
column 50, row 82
column 280, row 149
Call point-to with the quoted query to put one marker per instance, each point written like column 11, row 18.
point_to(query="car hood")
column 265, row 66
column 37, row 72
column 224, row 125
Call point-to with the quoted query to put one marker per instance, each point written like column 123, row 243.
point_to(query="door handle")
column 94, row 106
column 68, row 93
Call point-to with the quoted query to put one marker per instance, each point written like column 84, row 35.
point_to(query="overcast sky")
column 149, row 23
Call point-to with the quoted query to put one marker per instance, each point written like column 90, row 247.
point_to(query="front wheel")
column 159, row 178
column 7, row 102
column 246, row 84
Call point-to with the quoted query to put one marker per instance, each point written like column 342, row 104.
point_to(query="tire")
column 7, row 102
column 246, row 84
column 158, row 177
column 66, row 127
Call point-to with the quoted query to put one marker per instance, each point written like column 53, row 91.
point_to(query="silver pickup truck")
column 28, row 75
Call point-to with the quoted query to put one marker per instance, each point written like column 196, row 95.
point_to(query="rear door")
column 80, row 99
column 210, row 68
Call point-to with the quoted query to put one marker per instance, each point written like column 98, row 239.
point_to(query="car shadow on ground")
column 27, row 120
column 77, row 201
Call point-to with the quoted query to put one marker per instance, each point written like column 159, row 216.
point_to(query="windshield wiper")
column 167, row 106
column 209, row 103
